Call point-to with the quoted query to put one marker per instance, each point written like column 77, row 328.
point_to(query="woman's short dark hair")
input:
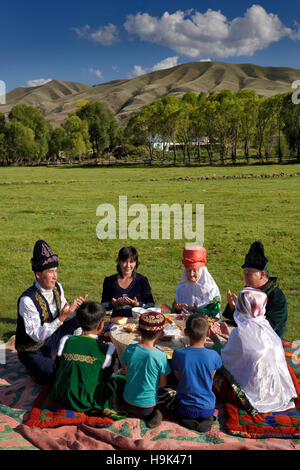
column 127, row 252
column 90, row 314
column 196, row 327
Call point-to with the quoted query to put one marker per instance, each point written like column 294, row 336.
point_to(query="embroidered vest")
column 23, row 341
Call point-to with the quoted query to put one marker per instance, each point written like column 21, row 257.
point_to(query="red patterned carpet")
column 18, row 394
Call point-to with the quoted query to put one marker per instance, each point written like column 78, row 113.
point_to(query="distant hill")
column 56, row 99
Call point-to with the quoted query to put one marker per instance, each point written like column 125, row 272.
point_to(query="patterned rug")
column 18, row 394
column 284, row 424
column 49, row 414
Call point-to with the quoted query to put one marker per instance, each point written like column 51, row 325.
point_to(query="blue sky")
column 93, row 41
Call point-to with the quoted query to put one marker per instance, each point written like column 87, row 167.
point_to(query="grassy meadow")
column 58, row 204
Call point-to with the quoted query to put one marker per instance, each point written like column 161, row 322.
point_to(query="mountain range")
column 56, row 98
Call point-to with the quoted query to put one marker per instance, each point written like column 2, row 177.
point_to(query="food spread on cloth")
column 123, row 334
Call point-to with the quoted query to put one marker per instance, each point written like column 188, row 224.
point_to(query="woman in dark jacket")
column 126, row 289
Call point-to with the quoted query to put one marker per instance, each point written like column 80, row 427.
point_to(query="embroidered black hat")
column 255, row 258
column 43, row 257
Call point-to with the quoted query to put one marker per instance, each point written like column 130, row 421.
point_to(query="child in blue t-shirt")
column 194, row 367
column 146, row 368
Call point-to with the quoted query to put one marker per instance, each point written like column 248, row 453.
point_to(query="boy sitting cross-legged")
column 84, row 379
column 146, row 368
column 194, row 367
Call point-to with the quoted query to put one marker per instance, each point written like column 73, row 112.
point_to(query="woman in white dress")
column 255, row 357
column 197, row 290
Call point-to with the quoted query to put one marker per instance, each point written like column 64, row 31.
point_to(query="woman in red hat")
column 197, row 290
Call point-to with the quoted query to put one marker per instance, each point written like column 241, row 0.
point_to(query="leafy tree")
column 57, row 142
column 277, row 102
column 248, row 101
column 31, row 118
column 2, row 123
column 210, row 111
column 77, row 136
column 3, row 139
column 191, row 98
column 230, row 112
column 226, row 122
column 185, row 130
column 197, row 124
column 291, row 124
column 267, row 122
column 21, row 143
column 144, row 125
column 3, row 147
column 170, row 120
column 264, row 112
column 102, row 125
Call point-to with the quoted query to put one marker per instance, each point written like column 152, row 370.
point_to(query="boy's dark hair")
column 196, row 327
column 125, row 253
column 90, row 314
column 149, row 334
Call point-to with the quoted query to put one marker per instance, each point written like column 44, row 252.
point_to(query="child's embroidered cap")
column 152, row 321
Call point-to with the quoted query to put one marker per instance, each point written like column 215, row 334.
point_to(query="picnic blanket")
column 18, row 394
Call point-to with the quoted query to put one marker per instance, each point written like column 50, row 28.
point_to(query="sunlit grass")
column 59, row 205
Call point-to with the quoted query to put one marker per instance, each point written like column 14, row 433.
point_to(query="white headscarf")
column 200, row 293
column 255, row 357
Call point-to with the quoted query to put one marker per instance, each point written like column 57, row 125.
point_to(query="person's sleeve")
column 62, row 344
column 107, row 294
column 276, row 312
column 212, row 309
column 218, row 362
column 32, row 322
column 228, row 313
column 174, row 361
column 146, row 294
column 123, row 358
column 165, row 367
column 63, row 302
column 218, row 347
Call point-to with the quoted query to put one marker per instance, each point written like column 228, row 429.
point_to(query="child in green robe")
column 83, row 380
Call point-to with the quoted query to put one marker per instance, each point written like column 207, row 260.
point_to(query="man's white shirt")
column 31, row 316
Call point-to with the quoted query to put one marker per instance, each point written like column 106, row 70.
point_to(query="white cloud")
column 138, row 70
column 84, row 31
column 205, row 60
column 105, row 35
column 166, row 63
column 96, row 72
column 296, row 34
column 162, row 65
column 38, row 82
column 195, row 35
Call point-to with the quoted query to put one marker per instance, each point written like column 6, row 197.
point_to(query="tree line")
column 27, row 137
column 233, row 124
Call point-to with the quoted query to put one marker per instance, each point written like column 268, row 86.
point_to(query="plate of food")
column 137, row 311
column 119, row 320
column 130, row 328
column 154, row 309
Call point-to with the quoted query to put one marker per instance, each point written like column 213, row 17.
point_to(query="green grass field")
column 58, row 204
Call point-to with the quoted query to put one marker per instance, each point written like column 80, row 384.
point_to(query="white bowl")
column 137, row 311
column 154, row 309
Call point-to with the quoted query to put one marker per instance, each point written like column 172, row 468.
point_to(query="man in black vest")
column 44, row 316
column 256, row 275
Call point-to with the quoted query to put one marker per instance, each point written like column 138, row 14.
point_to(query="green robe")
column 81, row 384
column 276, row 307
